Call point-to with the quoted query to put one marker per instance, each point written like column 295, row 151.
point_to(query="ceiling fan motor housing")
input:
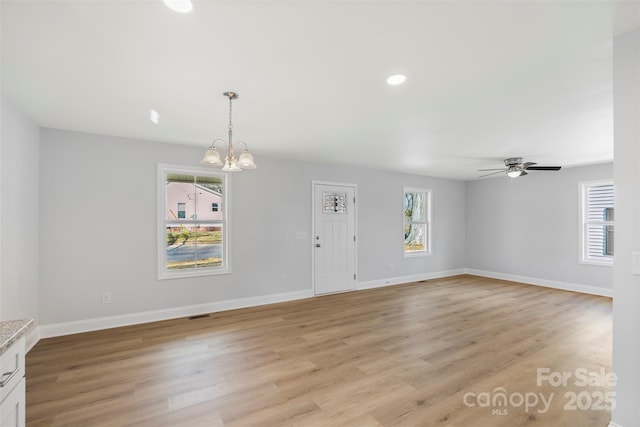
column 513, row 161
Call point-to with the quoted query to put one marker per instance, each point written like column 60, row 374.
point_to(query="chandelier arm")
column 213, row 143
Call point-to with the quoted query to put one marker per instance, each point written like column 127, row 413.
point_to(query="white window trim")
column 582, row 224
column 428, row 226
column 163, row 274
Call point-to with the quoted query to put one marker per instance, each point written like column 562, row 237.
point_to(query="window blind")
column 599, row 221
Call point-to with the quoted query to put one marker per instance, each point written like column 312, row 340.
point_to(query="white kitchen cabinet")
column 12, row 373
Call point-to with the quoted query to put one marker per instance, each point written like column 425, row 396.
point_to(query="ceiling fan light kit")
column 515, row 172
column 514, row 167
column 212, row 156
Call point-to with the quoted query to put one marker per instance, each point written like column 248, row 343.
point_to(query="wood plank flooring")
column 434, row 353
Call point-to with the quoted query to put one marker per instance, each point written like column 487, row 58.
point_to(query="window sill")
column 416, row 254
column 165, row 275
column 596, row 263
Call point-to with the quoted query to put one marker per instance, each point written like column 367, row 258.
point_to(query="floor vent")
column 199, row 316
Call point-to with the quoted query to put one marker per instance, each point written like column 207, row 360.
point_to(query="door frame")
column 313, row 229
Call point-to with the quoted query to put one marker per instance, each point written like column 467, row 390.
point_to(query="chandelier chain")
column 230, row 108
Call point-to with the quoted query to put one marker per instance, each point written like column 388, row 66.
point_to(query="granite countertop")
column 11, row 331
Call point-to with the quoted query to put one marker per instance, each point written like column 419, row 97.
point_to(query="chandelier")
column 212, row 156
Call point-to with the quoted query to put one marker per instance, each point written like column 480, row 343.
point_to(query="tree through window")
column 416, row 225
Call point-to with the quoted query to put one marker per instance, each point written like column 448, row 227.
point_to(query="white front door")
column 334, row 238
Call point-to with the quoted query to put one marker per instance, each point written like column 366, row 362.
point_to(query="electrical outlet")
column 106, row 298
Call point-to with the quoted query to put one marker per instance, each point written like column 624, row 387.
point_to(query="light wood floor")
column 397, row 356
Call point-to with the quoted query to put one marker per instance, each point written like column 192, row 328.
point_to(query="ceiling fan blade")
column 523, row 173
column 484, row 170
column 544, row 168
column 492, row 173
column 527, row 165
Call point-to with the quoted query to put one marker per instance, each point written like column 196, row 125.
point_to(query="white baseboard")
column 95, row 324
column 612, row 424
column 32, row 338
column 391, row 281
column 87, row 325
column 575, row 287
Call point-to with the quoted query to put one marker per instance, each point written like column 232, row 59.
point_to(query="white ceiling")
column 485, row 80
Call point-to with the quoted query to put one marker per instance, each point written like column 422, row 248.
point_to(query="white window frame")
column 225, row 268
column 427, row 222
column 584, row 258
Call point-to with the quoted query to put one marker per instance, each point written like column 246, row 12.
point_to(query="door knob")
column 317, row 245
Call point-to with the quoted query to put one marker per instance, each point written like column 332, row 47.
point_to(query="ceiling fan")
column 515, row 168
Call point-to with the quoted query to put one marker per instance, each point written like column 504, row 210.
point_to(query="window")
column 193, row 238
column 416, row 224
column 597, row 217
column 182, row 210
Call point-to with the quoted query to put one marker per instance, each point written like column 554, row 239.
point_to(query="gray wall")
column 19, row 145
column 98, row 227
column 529, row 226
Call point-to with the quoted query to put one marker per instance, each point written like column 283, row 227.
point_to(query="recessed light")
column 154, row 116
column 180, row 6
column 396, row 79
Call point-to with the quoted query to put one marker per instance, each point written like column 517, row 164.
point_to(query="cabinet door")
column 12, row 368
column 12, row 409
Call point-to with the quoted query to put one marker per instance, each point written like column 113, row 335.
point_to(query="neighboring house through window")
column 417, row 221
column 597, row 219
column 193, row 239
